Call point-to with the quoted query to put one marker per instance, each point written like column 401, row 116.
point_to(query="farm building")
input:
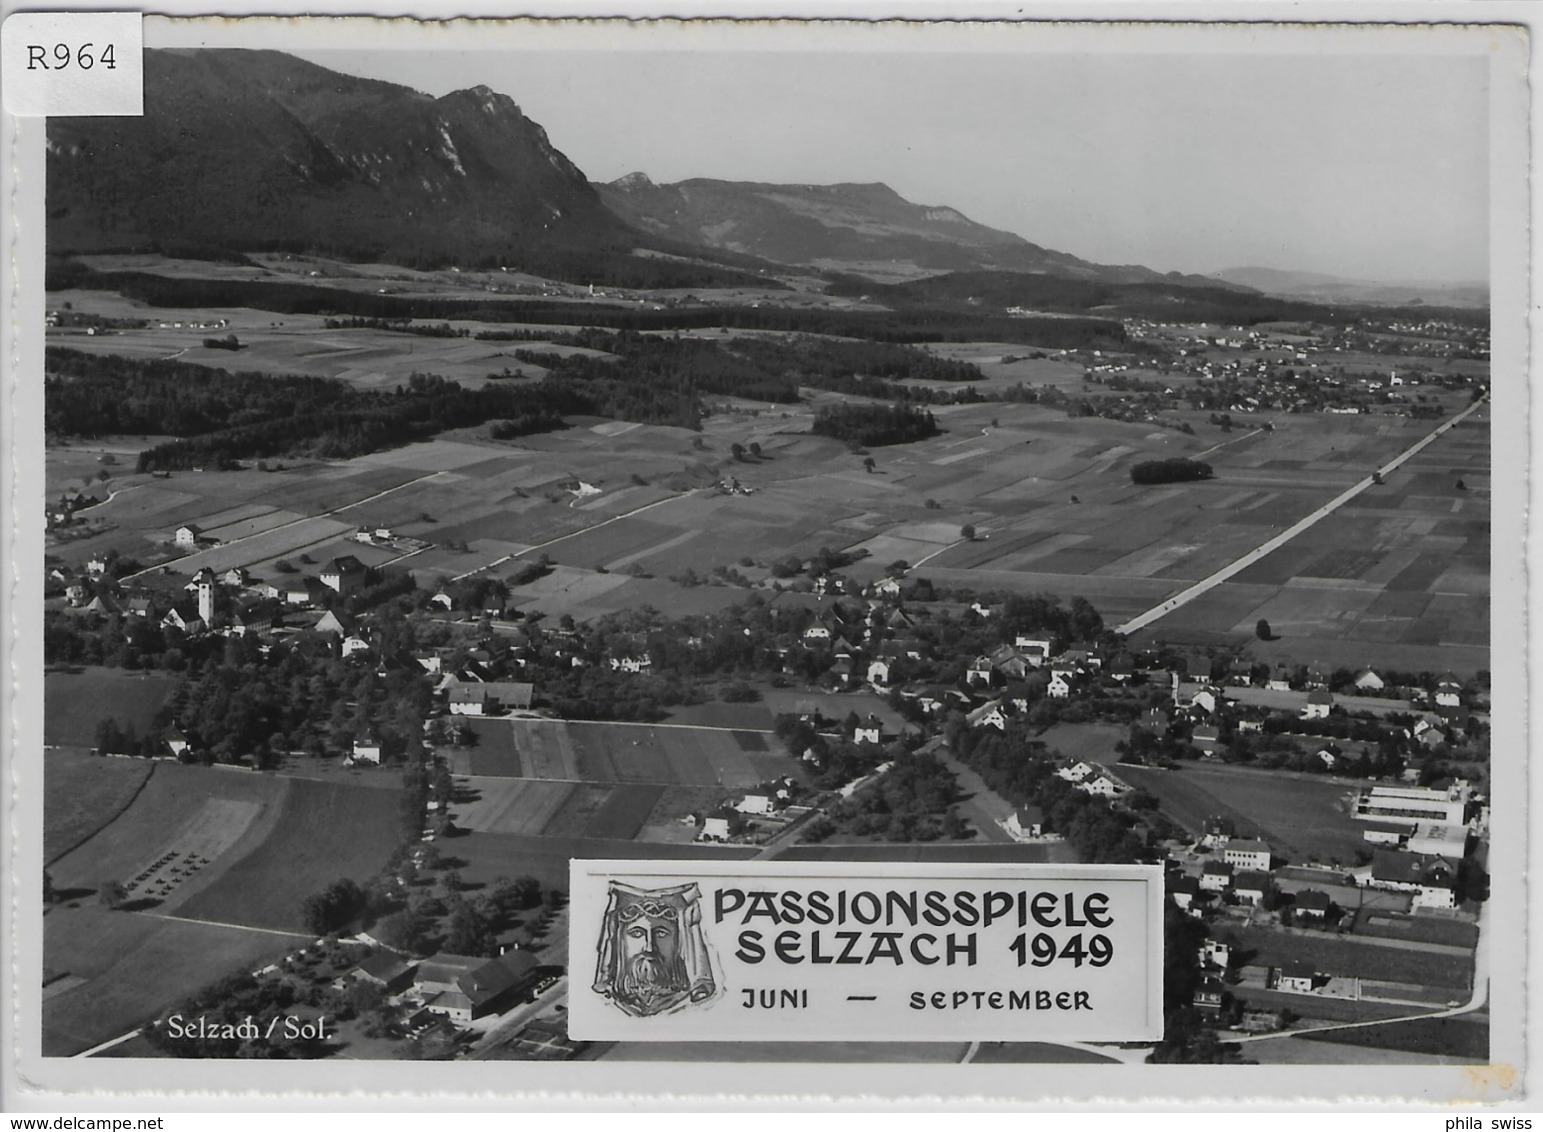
column 467, row 987
column 499, row 983
column 1298, row 977
column 1368, row 681
column 333, row 622
column 1449, row 692
column 1252, row 887
column 187, row 536
column 979, row 671
column 366, row 749
column 1185, row 891
column 344, row 574
column 1433, row 880
column 1438, row 840
column 176, row 740
column 1059, row 687
column 715, row 829
column 1101, row 786
column 1215, row 876
column 1025, row 824
column 1319, row 702
column 758, row 804
column 490, row 698
column 1312, row 905
column 1247, row 855
column 1210, row 994
column 988, row 715
column 1418, row 803
column 1215, row 953
column 390, row 972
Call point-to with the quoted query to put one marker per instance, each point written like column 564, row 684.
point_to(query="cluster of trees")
column 1179, row 469
column 870, row 424
column 912, row 801
column 1023, row 771
column 222, row 417
column 333, row 907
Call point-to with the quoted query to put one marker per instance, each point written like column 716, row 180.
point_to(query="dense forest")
column 222, row 417
column 964, row 324
column 875, row 424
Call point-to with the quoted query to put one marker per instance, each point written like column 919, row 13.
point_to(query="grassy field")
column 1420, row 929
column 1316, row 1008
column 1351, row 955
column 1305, row 819
column 167, row 816
column 1462, row 1036
column 133, row 965
column 578, row 809
column 82, row 793
column 602, row 753
column 488, row 856
column 75, row 701
column 322, row 832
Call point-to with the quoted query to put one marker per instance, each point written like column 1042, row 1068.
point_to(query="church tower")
column 205, row 582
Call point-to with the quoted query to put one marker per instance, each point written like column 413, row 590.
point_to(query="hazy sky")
column 1366, row 166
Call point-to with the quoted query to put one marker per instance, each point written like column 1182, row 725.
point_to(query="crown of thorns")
column 654, row 909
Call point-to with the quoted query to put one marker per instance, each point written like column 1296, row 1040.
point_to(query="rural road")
column 1205, row 585
column 572, row 534
column 285, row 526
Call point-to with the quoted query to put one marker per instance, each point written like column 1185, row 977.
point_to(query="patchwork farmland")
column 607, row 753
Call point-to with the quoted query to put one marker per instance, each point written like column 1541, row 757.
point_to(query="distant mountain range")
column 1320, row 288
column 258, row 150
column 243, row 151
column 860, row 229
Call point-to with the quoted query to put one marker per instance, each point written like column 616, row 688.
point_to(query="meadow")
column 615, row 753
column 1304, row 818
column 1351, row 955
column 75, row 701
column 322, row 832
column 82, row 793
column 117, row 969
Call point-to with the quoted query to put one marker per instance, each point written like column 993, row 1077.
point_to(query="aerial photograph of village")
column 460, row 465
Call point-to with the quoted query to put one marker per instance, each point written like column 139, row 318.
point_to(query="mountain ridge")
column 859, row 228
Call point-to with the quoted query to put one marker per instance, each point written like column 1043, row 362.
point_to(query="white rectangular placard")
column 840, row 951
column 73, row 64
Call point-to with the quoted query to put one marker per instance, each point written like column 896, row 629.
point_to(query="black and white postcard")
column 799, row 558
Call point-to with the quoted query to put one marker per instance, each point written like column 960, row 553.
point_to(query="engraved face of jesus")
column 651, row 960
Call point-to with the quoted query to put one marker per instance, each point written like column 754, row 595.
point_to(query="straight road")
column 574, row 534
column 1205, row 585
column 285, row 526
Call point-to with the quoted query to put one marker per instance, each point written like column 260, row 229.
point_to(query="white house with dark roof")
column 344, row 574
column 490, row 698
column 1319, row 702
column 1244, row 854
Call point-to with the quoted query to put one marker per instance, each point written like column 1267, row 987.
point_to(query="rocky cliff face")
column 254, row 149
